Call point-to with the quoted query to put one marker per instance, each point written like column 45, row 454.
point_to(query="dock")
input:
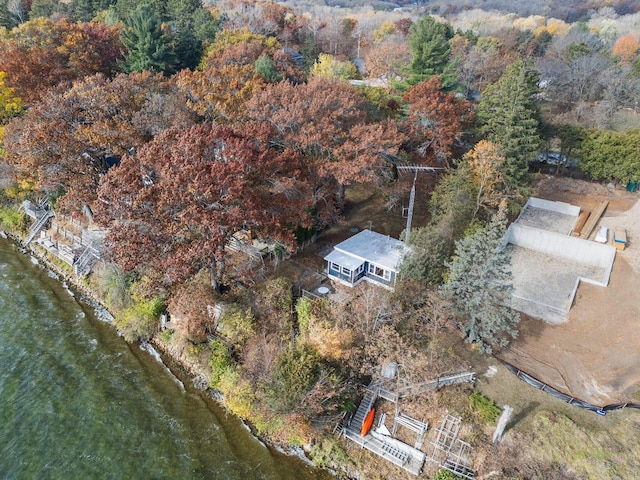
column 392, row 450
column 386, row 446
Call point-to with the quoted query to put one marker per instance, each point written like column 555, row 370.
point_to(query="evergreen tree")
column 266, row 69
column 45, row 8
column 479, row 286
column 85, row 10
column 187, row 49
column 609, row 155
column 148, row 47
column 124, row 8
column 509, row 117
column 452, row 212
column 429, row 45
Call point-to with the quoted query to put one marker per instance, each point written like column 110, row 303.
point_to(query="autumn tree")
column 10, row 104
column 435, row 119
column 626, row 48
column 387, row 58
column 486, row 161
column 509, row 116
column 92, row 48
column 174, row 205
column 329, row 123
column 189, row 307
column 220, row 94
column 243, row 47
column 480, row 288
column 479, row 61
column 61, row 142
column 41, row 54
column 330, row 67
column 236, row 66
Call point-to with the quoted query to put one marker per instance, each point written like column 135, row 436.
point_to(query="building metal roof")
column 372, row 247
column 345, row 260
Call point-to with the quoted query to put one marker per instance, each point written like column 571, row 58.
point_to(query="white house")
column 369, row 256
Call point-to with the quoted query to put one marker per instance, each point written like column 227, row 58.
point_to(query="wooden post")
column 502, row 423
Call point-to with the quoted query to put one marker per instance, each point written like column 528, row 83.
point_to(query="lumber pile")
column 593, row 220
column 582, row 219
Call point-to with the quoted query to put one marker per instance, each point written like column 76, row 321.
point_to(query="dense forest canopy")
column 347, row 94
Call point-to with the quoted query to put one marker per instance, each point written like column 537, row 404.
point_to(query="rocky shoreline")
column 188, row 373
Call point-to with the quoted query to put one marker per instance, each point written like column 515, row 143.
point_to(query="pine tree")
column 509, row 115
column 429, row 45
column 86, row 10
column 479, row 286
column 148, row 47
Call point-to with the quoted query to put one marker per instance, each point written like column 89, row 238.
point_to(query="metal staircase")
column 38, row 225
column 366, row 404
column 86, row 259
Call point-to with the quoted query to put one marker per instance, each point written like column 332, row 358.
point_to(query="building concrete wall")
column 572, row 248
column 560, row 207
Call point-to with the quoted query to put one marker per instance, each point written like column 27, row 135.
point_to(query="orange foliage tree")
column 329, row 122
column 61, row 141
column 435, row 119
column 41, row 54
column 626, row 47
column 175, row 204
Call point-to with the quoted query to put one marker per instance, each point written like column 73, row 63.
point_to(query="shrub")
column 295, row 371
column 485, row 408
column 138, row 322
column 219, row 362
column 238, row 393
column 327, row 452
column 11, row 218
column 444, row 475
column 166, row 336
column 304, row 308
column 112, row 284
column 237, row 325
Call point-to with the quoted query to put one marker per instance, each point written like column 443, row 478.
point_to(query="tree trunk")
column 217, row 269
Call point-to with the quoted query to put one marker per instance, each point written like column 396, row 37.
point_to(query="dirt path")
column 595, row 354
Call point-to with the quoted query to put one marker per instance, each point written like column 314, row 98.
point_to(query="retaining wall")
column 560, row 207
column 571, row 248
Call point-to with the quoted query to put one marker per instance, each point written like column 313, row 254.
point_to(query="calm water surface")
column 77, row 402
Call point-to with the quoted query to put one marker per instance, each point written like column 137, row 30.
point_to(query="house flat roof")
column 373, row 247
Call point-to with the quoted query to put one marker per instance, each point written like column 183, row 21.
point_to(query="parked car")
column 552, row 158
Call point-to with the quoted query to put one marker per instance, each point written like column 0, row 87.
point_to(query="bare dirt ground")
column 595, row 354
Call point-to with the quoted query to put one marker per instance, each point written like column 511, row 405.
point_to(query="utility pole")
column 412, row 196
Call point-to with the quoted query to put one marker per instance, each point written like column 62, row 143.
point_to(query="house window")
column 360, row 268
column 334, row 266
column 379, row 272
column 346, row 271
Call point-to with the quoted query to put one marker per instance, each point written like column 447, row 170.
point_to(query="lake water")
column 77, row 402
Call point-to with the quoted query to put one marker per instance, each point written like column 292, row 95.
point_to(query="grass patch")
column 484, row 407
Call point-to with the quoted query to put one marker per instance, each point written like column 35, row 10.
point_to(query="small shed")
column 369, row 256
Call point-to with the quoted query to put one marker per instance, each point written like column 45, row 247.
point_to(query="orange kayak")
column 367, row 422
